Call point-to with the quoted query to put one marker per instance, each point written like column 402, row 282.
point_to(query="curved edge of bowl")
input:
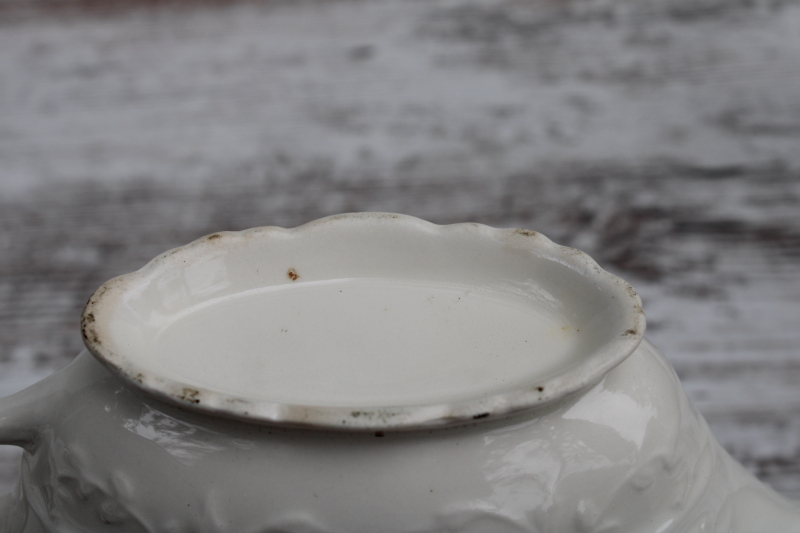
column 95, row 332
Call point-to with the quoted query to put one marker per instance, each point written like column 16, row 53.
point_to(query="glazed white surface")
column 366, row 342
column 628, row 455
column 365, row 320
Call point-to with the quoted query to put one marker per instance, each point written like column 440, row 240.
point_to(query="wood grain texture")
column 659, row 136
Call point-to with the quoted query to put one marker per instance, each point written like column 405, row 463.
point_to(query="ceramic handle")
column 17, row 426
column 23, row 414
column 19, row 423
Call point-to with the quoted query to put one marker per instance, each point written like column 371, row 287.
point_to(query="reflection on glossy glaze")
column 629, row 455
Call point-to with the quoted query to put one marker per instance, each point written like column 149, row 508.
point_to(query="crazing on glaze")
column 626, row 452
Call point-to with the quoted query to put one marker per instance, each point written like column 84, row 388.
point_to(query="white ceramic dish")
column 372, row 373
column 365, row 321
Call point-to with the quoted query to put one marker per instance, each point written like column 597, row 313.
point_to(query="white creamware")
column 372, row 373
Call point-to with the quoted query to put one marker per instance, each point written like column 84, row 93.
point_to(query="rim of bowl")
column 98, row 339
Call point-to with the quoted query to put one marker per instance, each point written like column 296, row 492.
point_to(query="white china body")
column 372, row 373
column 629, row 454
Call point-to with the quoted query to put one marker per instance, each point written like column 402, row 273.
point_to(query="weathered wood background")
column 660, row 136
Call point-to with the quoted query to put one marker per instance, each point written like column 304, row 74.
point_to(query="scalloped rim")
column 94, row 327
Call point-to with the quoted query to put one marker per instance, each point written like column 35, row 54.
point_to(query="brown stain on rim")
column 189, row 395
column 292, row 274
column 88, row 329
column 88, row 318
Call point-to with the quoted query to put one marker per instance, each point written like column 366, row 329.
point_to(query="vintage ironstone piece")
column 371, row 373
